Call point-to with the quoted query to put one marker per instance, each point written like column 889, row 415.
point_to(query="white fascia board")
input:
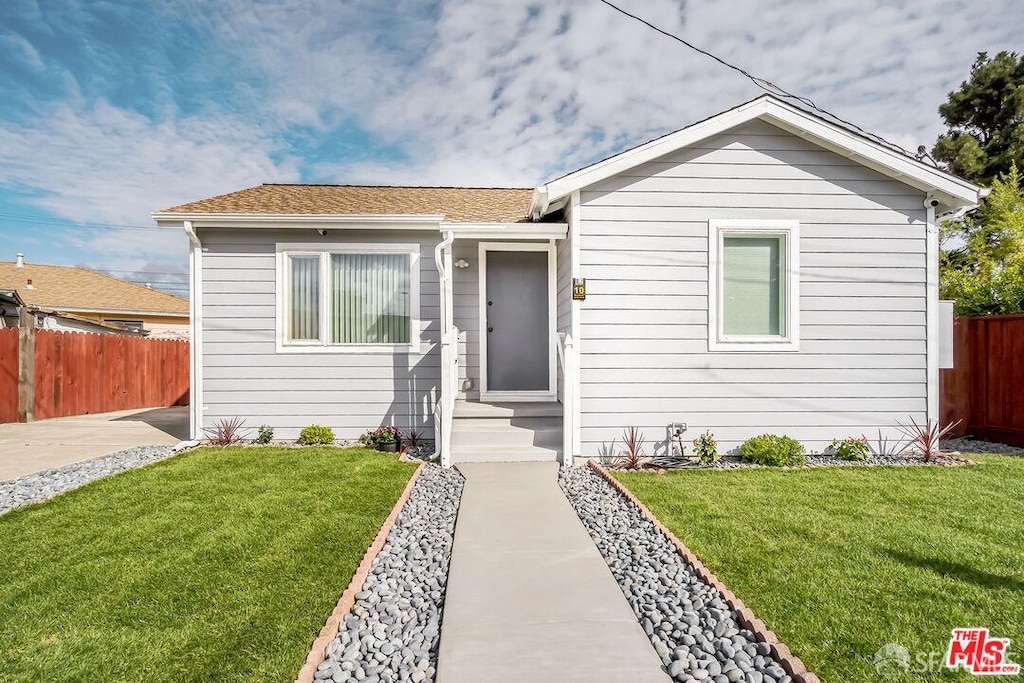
column 953, row 192
column 513, row 231
column 115, row 311
column 297, row 220
column 882, row 159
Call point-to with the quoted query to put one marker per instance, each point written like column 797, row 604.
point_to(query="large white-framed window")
column 338, row 298
column 753, row 285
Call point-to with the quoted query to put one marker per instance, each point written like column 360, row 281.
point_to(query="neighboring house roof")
column 451, row 204
column 951, row 192
column 72, row 289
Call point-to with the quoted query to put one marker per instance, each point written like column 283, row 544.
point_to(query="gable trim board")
column 952, row 193
column 865, row 225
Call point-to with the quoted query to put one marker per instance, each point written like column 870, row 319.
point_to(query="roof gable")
column 951, row 192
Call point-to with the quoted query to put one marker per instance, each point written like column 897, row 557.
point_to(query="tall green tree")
column 983, row 259
column 985, row 118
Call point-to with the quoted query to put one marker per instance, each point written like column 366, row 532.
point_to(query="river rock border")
column 317, row 653
column 386, row 626
column 39, row 487
column 789, row 663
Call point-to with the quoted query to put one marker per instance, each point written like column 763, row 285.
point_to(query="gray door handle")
column 490, row 329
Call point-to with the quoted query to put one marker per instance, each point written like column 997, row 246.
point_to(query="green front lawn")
column 839, row 562
column 216, row 565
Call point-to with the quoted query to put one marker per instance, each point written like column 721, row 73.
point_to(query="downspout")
column 195, row 367
column 931, row 311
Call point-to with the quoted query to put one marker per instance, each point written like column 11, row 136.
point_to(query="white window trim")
column 790, row 230
column 324, row 251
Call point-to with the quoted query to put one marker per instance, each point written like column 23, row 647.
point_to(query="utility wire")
column 767, row 85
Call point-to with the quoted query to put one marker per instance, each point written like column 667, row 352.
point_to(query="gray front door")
column 518, row 351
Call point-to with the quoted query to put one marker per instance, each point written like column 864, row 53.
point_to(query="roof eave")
column 171, row 219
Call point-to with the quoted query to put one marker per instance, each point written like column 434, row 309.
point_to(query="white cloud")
column 484, row 92
column 497, row 92
column 101, row 164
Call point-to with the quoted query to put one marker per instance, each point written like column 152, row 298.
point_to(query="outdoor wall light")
column 462, row 263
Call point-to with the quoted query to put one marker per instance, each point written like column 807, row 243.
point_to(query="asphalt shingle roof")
column 457, row 204
column 59, row 288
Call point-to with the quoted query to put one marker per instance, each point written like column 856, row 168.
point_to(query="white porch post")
column 449, row 352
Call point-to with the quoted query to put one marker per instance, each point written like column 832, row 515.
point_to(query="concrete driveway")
column 41, row 445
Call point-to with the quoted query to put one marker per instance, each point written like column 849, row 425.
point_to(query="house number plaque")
column 579, row 288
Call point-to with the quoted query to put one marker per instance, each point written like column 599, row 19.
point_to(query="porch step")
column 506, row 432
column 523, row 431
column 534, row 454
column 467, row 409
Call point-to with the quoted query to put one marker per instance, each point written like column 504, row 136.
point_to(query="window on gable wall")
column 350, row 297
column 753, row 285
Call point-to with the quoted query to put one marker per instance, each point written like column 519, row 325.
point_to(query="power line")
column 64, row 222
column 766, row 85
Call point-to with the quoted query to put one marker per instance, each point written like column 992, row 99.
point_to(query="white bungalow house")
column 762, row 270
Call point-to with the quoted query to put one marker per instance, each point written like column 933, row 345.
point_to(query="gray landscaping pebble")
column 690, row 625
column 967, row 445
column 35, row 488
column 903, row 460
column 393, row 630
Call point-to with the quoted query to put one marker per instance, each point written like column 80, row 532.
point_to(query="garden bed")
column 812, row 461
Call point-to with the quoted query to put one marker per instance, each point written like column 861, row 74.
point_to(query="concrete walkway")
column 529, row 596
column 37, row 446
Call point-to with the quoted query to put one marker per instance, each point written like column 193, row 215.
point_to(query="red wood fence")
column 985, row 389
column 78, row 373
column 8, row 374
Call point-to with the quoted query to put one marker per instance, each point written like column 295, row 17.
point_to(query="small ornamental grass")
column 316, row 435
column 772, row 450
column 851, row 448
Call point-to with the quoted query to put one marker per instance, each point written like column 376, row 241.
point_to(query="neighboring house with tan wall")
column 72, row 298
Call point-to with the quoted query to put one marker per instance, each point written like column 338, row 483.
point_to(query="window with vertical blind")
column 348, row 297
column 753, row 285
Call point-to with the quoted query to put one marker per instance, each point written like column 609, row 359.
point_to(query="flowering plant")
column 387, row 434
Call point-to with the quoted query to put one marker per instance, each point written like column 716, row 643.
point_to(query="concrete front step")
column 506, row 432
column 475, row 409
column 505, row 436
column 497, row 454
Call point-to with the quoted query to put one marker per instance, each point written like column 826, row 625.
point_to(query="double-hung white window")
column 348, row 297
column 753, row 285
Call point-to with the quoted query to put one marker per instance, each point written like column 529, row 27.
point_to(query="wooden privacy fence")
column 985, row 388
column 75, row 373
column 8, row 374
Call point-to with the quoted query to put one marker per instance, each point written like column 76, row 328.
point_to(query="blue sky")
column 112, row 109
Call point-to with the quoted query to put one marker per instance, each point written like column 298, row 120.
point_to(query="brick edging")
column 790, row 662
column 317, row 652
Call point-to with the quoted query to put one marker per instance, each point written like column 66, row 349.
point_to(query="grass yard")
column 839, row 562
column 217, row 565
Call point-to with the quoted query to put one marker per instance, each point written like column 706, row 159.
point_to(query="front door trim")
column 551, row 394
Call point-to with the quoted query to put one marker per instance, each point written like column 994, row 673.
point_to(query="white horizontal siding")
column 245, row 376
column 861, row 364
